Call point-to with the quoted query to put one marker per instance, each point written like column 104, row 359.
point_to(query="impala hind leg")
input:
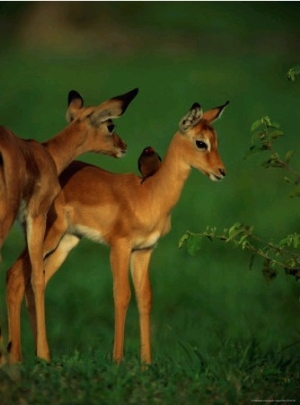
column 2, row 351
column 7, row 219
column 17, row 277
column 119, row 260
column 140, row 260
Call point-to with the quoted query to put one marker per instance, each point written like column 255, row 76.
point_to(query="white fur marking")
column 89, row 233
column 148, row 242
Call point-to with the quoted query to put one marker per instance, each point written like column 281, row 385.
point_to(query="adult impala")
column 128, row 215
column 29, row 178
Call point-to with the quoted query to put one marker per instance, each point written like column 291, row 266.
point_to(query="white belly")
column 147, row 242
column 90, row 233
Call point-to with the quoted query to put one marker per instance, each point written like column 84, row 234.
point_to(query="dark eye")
column 110, row 127
column 201, row 145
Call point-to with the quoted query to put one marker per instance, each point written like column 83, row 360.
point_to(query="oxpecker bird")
column 148, row 162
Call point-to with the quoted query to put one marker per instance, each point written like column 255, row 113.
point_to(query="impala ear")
column 75, row 103
column 192, row 118
column 214, row 113
column 113, row 108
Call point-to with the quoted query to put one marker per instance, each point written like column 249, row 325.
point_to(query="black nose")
column 223, row 172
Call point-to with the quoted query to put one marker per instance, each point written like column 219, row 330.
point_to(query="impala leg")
column 140, row 260
column 119, row 260
column 59, row 255
column 35, row 235
column 51, row 264
column 7, row 218
column 17, row 280
column 17, row 277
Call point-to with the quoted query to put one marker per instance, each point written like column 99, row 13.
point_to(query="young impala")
column 128, row 215
column 29, row 179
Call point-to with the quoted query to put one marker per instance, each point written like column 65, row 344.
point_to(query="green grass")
column 238, row 373
column 220, row 333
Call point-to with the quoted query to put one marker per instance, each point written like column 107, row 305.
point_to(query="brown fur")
column 122, row 212
column 29, row 179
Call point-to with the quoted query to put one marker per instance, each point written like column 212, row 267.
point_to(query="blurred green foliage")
column 176, row 53
column 293, row 73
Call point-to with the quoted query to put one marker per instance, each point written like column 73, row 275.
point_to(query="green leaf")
column 244, row 241
column 235, row 230
column 256, row 124
column 193, row 244
column 266, row 121
column 291, row 74
column 296, row 241
column 276, row 133
column 288, row 156
column 182, row 240
column 274, row 124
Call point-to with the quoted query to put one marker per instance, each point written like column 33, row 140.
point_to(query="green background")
column 177, row 53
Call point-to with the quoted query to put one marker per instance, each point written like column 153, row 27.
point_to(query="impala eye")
column 201, row 145
column 110, row 127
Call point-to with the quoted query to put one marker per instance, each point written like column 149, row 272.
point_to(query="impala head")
column 201, row 143
column 97, row 124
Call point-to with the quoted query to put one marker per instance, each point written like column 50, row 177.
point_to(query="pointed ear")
column 114, row 107
column 214, row 113
column 75, row 103
column 192, row 118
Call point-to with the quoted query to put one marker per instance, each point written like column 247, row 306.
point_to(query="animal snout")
column 222, row 171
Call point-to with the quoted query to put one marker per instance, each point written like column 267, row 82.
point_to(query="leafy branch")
column 264, row 134
column 275, row 256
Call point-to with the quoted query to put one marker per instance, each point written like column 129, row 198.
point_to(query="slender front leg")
column 140, row 260
column 51, row 264
column 17, row 277
column 119, row 260
column 35, row 236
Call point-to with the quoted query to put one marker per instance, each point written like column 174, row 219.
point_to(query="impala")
column 29, row 179
column 120, row 211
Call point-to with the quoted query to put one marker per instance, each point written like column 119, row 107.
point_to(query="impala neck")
column 167, row 183
column 66, row 146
